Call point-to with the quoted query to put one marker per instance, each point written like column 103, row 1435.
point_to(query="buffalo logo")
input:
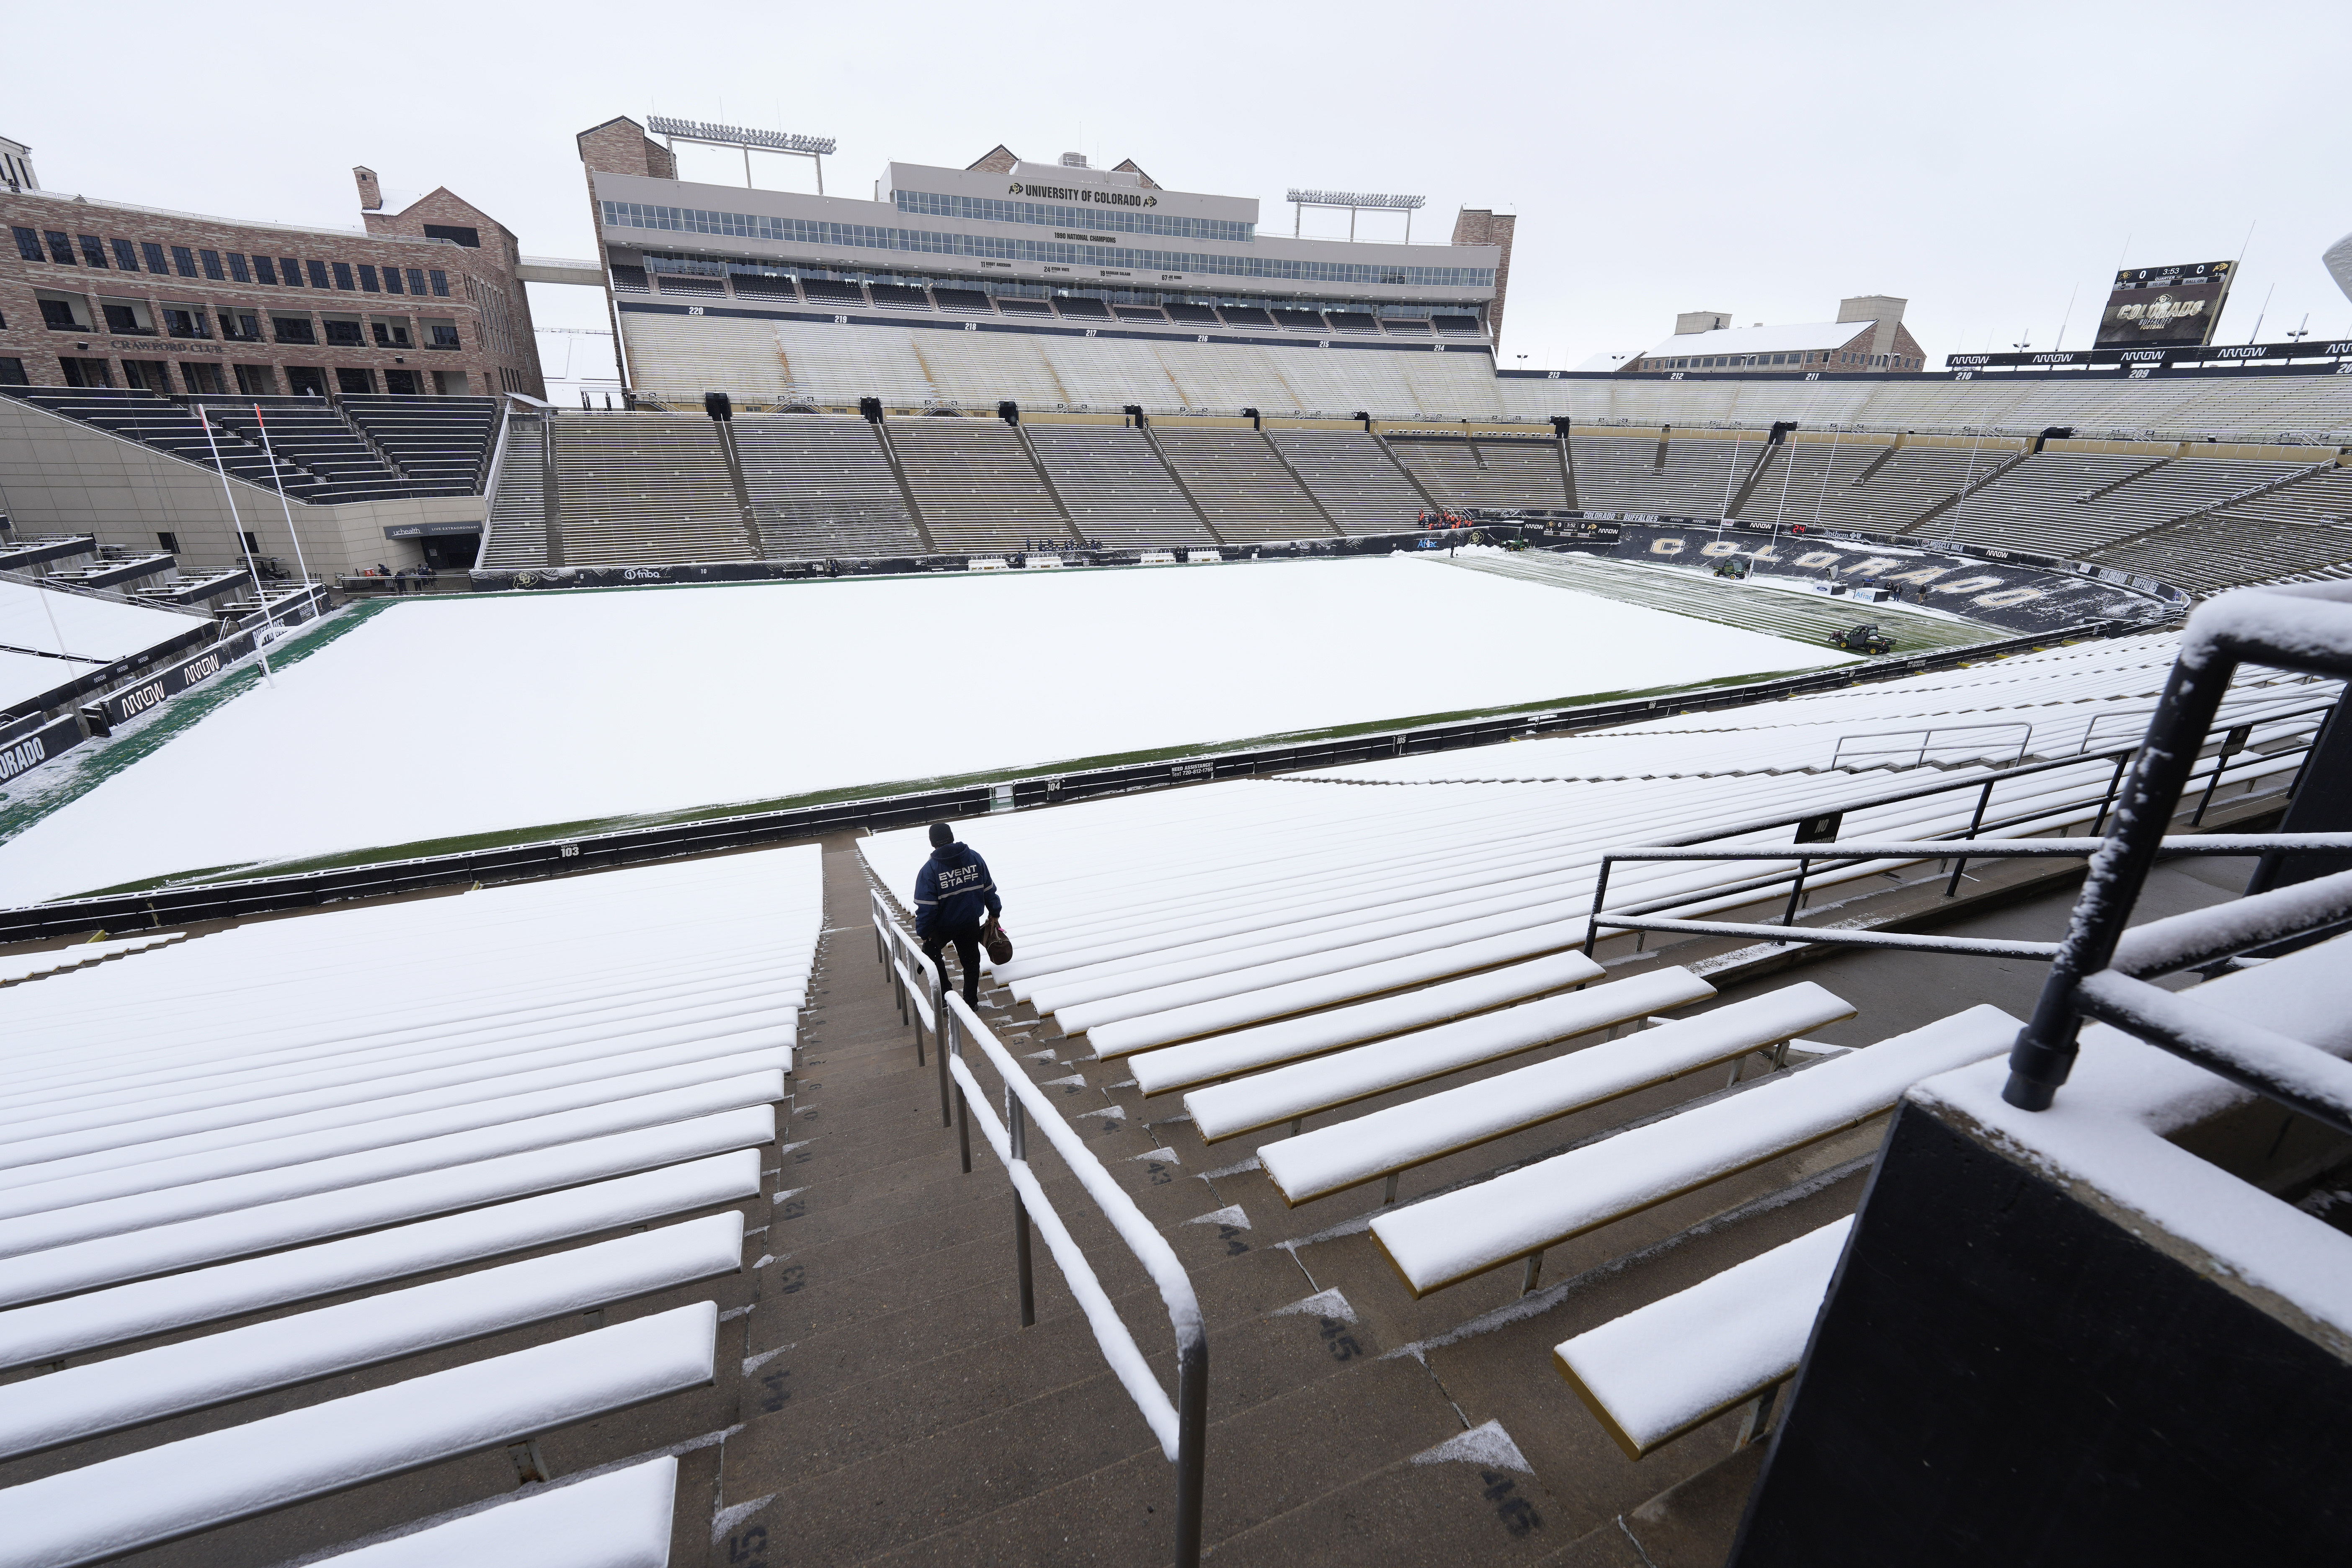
column 1014, row 189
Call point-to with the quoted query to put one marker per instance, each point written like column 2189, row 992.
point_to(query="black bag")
column 999, row 945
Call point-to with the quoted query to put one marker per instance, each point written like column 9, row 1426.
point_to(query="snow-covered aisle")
column 439, row 720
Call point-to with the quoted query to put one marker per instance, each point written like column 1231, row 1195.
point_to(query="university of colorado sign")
column 1083, row 194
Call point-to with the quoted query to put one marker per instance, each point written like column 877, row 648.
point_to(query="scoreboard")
column 2161, row 307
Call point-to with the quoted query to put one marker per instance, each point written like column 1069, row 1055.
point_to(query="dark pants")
column 967, row 946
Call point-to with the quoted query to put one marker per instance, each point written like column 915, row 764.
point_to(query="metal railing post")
column 1952, row 888
column 2099, row 823
column 1600, row 892
column 951, row 1039
column 939, row 999
column 2044, row 1053
column 1192, row 1446
column 2231, row 744
column 1017, row 1126
column 1796, row 892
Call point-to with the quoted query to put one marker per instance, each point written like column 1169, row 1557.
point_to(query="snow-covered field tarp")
column 439, row 720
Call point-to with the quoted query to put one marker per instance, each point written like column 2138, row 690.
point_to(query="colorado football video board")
column 2162, row 307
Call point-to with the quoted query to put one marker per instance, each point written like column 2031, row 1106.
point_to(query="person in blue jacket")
column 952, row 893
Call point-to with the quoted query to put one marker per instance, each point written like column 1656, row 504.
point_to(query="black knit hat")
column 941, row 836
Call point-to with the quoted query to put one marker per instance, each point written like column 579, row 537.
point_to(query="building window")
column 86, row 372
column 256, row 381
column 290, row 271
column 305, row 381
column 416, row 280
column 391, row 279
column 359, row 382
column 12, row 372
column 93, row 250
column 169, row 543
column 148, row 375
column 317, row 275
column 154, row 255
column 390, row 332
column 342, row 276
column 57, row 315
column 60, row 249
column 367, row 279
column 343, row 334
column 28, row 244
column 184, row 260
column 126, row 255
column 236, row 267
column 442, row 336
column 440, row 282
column 123, row 318
column 210, row 259
column 469, row 237
column 403, row 382
column 293, row 329
column 185, row 322
column 264, row 269
column 252, row 542
column 240, row 326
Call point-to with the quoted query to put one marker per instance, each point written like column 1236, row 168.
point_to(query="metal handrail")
column 1927, row 743
column 897, row 949
column 2306, row 628
column 1831, row 854
column 1180, row 1425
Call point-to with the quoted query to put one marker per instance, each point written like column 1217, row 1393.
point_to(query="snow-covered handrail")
column 1182, row 1426
column 2307, row 629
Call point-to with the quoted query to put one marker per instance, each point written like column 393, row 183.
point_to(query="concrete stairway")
column 896, row 1411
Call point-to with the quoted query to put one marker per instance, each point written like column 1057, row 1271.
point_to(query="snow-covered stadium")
column 542, row 1125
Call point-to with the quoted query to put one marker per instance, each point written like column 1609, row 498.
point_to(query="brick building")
column 1868, row 337
column 103, row 293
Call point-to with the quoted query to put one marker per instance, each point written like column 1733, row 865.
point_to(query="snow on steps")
column 1331, row 1159
column 1459, row 1233
column 1679, row 1363
column 1328, row 1082
column 199, row 1483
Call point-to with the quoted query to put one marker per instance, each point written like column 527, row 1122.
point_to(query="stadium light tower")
column 1354, row 201
column 813, row 148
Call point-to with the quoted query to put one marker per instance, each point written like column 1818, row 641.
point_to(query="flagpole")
column 284, row 505
column 236, row 524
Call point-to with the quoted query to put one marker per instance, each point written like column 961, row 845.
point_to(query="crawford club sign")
column 1083, row 194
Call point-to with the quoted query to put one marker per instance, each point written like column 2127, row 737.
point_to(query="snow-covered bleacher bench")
column 1344, row 1077
column 1677, row 1363
column 1271, row 1045
column 617, row 1519
column 258, row 1248
column 177, row 1489
column 1455, row 1234
column 1400, row 1137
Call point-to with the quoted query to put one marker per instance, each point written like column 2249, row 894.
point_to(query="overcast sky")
column 1988, row 163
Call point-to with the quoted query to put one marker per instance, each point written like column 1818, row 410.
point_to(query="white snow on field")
column 81, row 627
column 441, row 718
